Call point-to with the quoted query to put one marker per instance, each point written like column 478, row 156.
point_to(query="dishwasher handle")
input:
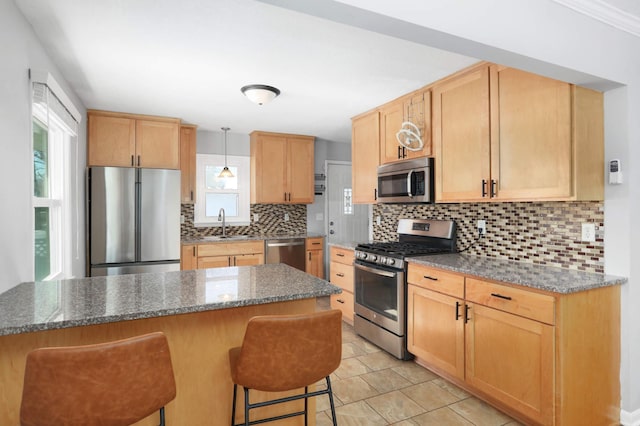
column 287, row 244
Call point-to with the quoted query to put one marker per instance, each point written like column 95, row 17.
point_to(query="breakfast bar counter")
column 203, row 313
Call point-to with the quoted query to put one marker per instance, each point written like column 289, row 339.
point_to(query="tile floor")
column 372, row 388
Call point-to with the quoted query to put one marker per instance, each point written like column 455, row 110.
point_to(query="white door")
column 346, row 222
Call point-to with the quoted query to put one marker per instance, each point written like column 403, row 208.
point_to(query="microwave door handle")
column 409, row 184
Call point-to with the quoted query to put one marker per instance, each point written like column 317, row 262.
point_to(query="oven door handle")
column 409, row 184
column 376, row 271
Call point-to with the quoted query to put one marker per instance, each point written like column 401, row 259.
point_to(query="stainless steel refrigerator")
column 133, row 221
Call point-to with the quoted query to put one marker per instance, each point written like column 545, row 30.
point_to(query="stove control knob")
column 374, row 257
column 391, row 261
column 363, row 256
column 382, row 260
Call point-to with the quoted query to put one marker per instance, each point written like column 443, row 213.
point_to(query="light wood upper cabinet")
column 461, row 136
column 531, row 135
column 188, row 163
column 128, row 140
column 414, row 108
column 111, row 140
column 417, row 109
column 391, row 118
column 365, row 140
column 507, row 135
column 282, row 168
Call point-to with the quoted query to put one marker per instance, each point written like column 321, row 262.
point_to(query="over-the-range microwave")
column 406, row 181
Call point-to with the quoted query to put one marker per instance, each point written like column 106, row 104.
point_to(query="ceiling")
column 189, row 58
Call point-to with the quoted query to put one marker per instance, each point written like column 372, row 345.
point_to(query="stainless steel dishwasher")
column 290, row 251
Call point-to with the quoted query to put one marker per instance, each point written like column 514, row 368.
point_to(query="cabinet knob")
column 340, row 301
column 340, row 274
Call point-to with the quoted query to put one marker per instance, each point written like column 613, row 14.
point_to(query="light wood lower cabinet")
column 341, row 275
column 218, row 255
column 511, row 358
column 436, row 330
column 544, row 358
column 315, row 256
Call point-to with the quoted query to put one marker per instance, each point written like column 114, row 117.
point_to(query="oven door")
column 379, row 294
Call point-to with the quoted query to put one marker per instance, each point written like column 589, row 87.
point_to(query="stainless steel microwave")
column 406, row 181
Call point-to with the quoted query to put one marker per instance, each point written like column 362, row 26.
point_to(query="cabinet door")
column 300, row 167
column 158, row 144
column 391, row 118
column 269, row 170
column 531, row 148
column 315, row 263
column 364, row 158
column 344, row 302
column 214, row 262
column 248, row 259
column 510, row 358
column 188, row 257
column 188, row 163
column 111, row 141
column 461, row 136
column 435, row 329
column 417, row 110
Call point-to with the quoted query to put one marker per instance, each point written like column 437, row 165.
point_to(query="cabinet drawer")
column 342, row 255
column 525, row 303
column 224, row 249
column 344, row 302
column 341, row 275
column 436, row 280
column 314, row 243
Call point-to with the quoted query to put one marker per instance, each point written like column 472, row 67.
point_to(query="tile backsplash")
column 271, row 220
column 546, row 233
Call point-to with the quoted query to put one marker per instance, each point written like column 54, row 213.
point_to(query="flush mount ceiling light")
column 225, row 173
column 260, row 93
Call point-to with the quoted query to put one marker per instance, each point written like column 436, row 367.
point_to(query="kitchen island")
column 203, row 313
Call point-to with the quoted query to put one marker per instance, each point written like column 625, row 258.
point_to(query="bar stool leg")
column 333, row 408
column 246, row 407
column 306, row 411
column 233, row 407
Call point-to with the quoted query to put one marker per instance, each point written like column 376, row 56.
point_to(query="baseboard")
column 630, row 418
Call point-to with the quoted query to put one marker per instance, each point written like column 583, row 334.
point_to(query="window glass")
column 42, row 243
column 40, row 160
column 216, row 183
column 229, row 202
column 214, row 193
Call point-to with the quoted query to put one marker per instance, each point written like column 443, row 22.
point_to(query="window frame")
column 243, row 163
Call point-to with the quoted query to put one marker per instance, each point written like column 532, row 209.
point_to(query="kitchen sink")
column 227, row 237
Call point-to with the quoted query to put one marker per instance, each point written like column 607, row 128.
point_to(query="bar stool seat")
column 108, row 384
column 287, row 352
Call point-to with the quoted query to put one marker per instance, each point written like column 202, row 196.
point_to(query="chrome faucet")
column 221, row 217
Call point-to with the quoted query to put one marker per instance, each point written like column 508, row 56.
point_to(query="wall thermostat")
column 615, row 172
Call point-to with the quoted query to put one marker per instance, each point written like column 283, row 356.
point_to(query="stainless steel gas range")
column 380, row 280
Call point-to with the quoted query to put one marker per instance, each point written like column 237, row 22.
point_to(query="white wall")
column 545, row 37
column 20, row 50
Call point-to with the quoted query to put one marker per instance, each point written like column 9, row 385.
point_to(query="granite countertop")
column 238, row 238
column 348, row 245
column 51, row 305
column 553, row 279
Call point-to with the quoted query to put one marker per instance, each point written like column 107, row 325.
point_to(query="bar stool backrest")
column 106, row 384
column 284, row 352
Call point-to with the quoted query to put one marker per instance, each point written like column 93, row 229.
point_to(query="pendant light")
column 225, row 173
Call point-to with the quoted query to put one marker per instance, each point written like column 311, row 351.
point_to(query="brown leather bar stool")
column 287, row 352
column 107, row 384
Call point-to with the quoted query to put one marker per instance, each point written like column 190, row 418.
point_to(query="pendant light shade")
column 260, row 93
column 225, row 173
